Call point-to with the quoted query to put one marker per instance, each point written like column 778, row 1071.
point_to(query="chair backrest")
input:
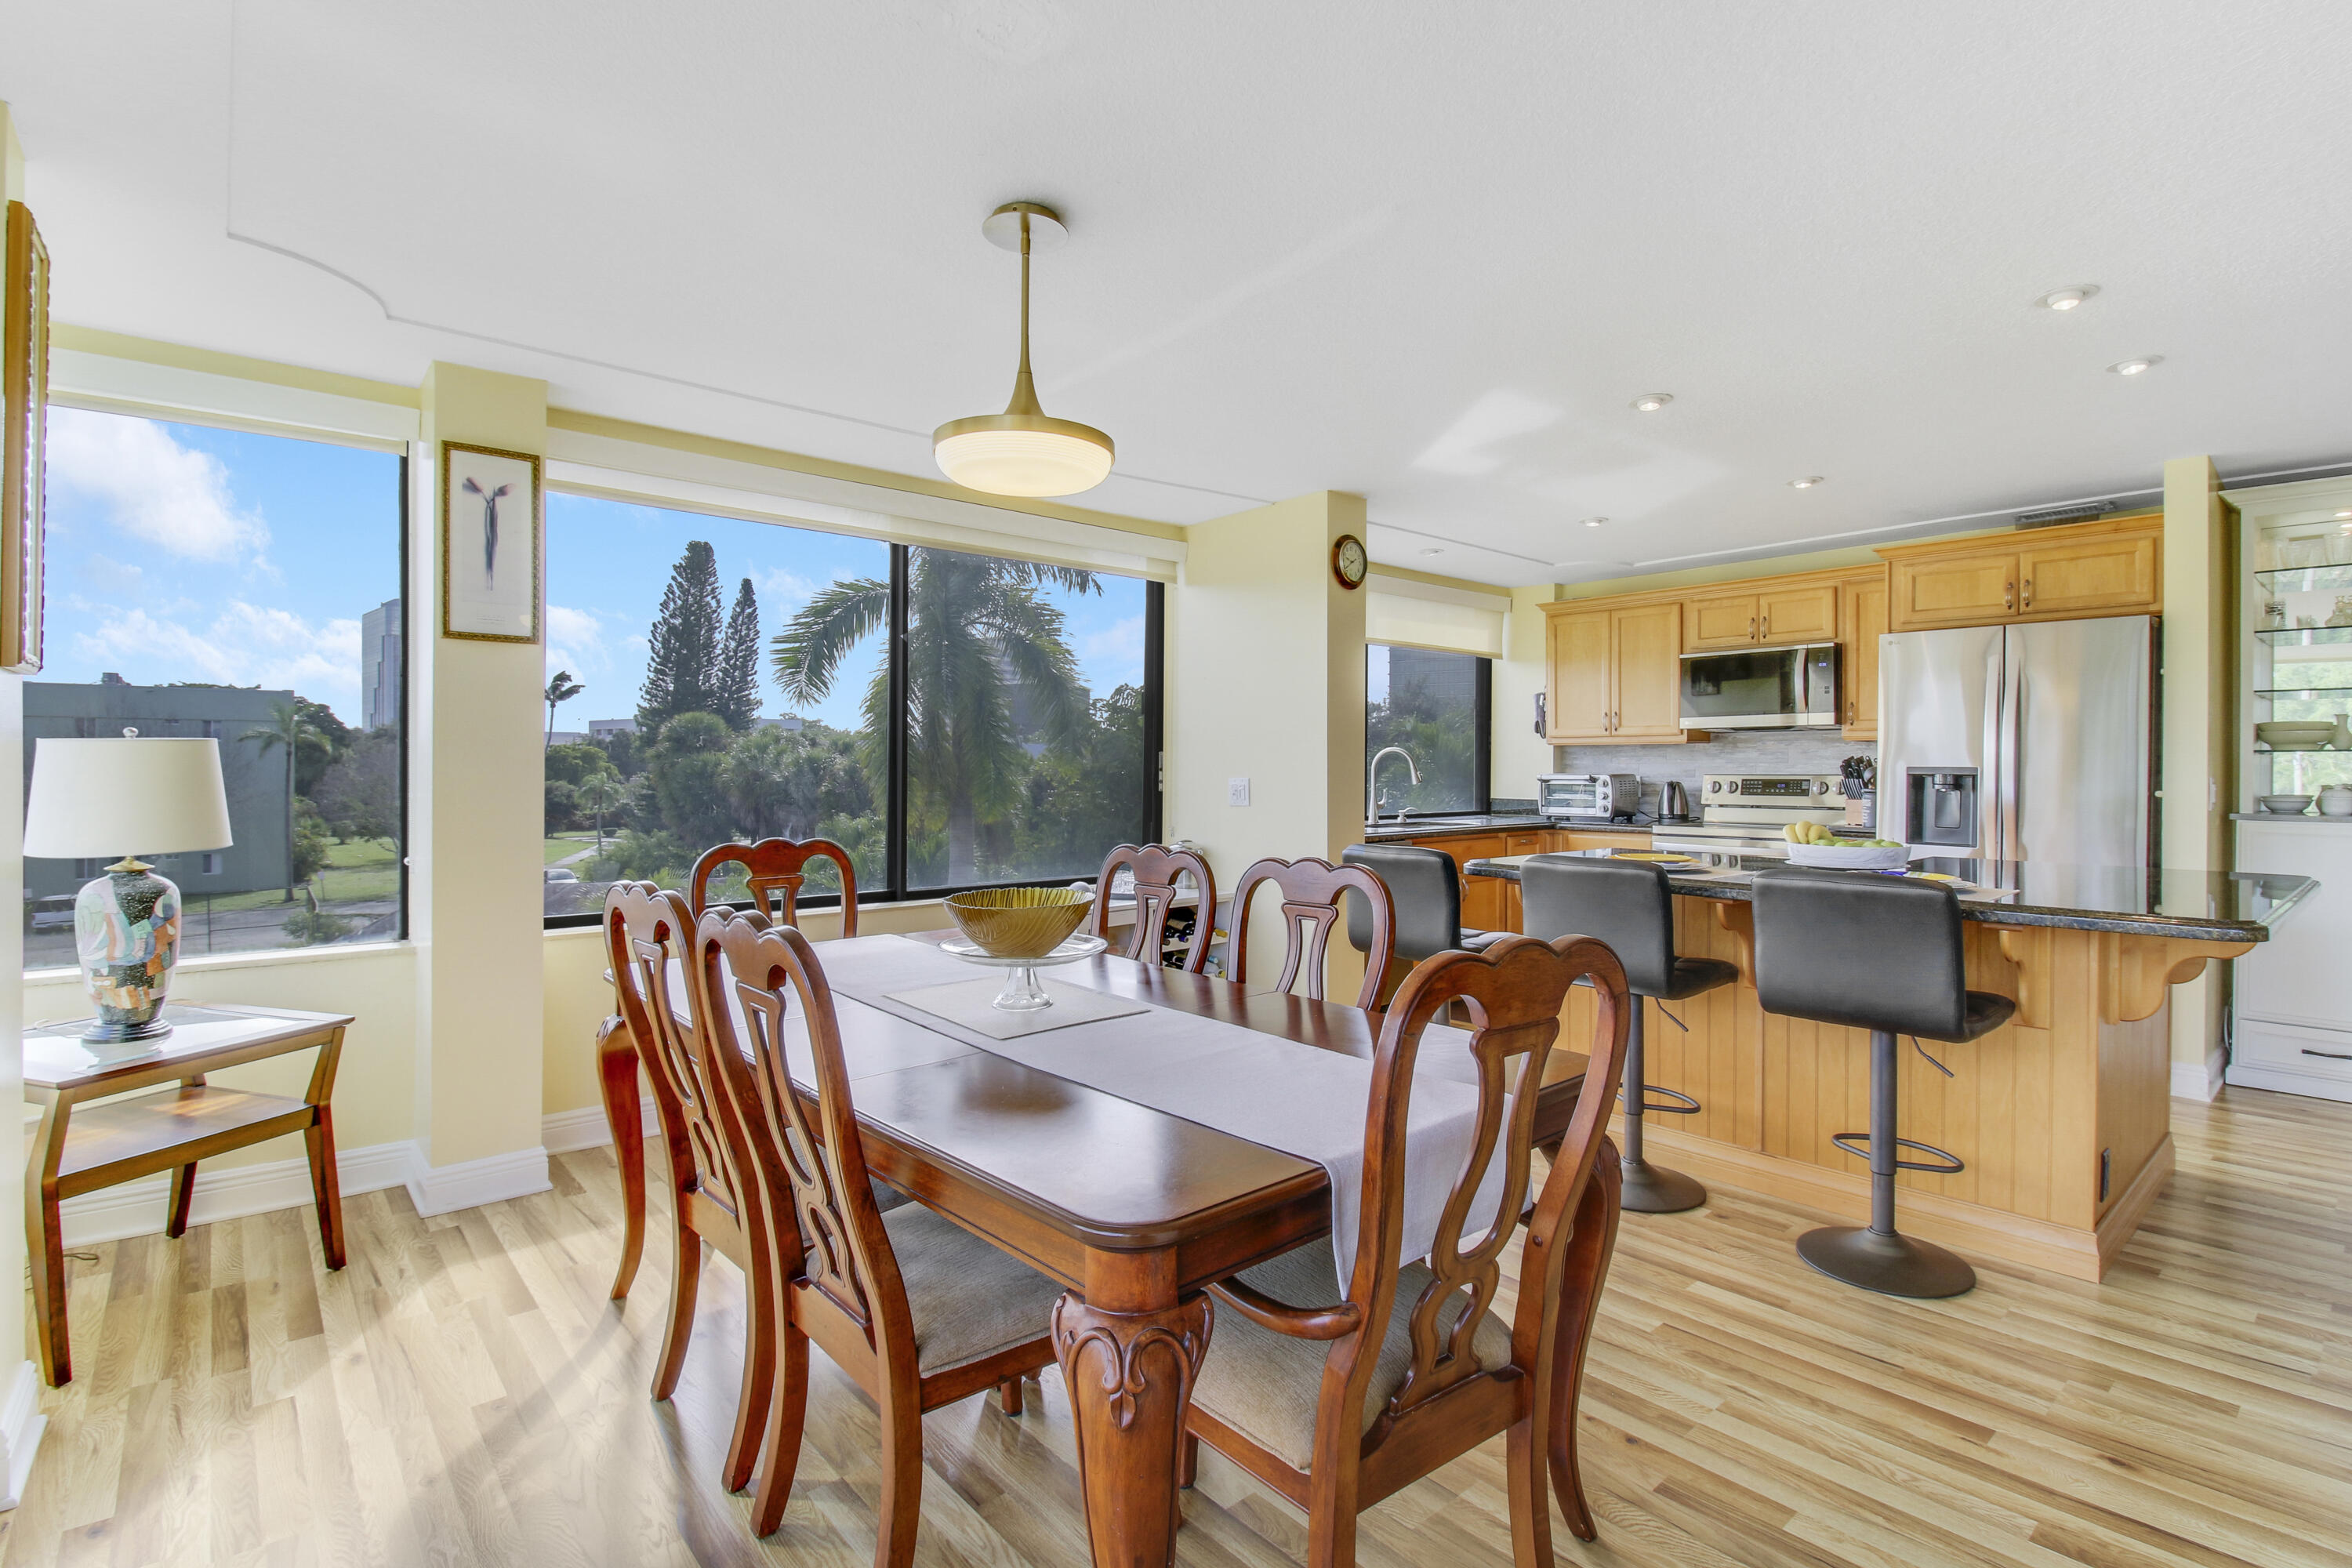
column 646, row 929
column 777, row 869
column 1311, row 891
column 841, row 1249
column 1625, row 903
column 1157, row 869
column 1424, row 893
column 1513, row 993
column 1868, row 952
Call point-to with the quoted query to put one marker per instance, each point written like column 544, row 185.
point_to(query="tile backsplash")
column 1731, row 752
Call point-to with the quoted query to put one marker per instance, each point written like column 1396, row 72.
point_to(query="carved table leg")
column 1130, row 1376
column 616, row 1071
column 45, row 1239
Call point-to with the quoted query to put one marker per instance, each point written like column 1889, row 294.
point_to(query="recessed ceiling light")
column 1808, row 482
column 1651, row 402
column 2067, row 299
column 2135, row 366
column 1594, row 521
column 2347, row 514
column 1432, row 550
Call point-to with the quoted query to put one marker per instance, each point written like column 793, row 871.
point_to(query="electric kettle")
column 1673, row 806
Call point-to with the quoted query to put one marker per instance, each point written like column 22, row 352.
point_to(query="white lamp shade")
column 161, row 795
column 1023, row 455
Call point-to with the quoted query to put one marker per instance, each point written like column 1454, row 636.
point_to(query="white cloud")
column 244, row 646
column 782, row 592
column 576, row 641
column 1119, row 647
column 156, row 490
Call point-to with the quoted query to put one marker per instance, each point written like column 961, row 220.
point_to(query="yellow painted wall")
column 476, row 815
column 2199, row 749
column 11, row 896
column 1518, row 753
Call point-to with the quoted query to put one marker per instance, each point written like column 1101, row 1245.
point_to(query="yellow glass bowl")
column 1019, row 923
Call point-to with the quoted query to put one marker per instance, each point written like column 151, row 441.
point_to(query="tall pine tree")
column 737, row 699
column 682, row 658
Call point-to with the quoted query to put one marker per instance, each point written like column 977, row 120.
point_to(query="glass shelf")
column 2303, row 637
column 2336, row 575
column 2313, row 693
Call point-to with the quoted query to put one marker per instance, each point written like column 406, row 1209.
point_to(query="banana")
column 1794, row 833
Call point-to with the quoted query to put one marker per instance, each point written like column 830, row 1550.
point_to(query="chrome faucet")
column 1371, row 777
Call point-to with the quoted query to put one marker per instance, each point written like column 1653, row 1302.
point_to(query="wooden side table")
column 122, row 1139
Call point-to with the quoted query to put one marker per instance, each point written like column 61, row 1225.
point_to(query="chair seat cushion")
column 968, row 1298
column 1985, row 1012
column 1692, row 975
column 1265, row 1384
column 1480, row 941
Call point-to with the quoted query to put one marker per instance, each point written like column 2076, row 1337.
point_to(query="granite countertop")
column 2211, row 906
column 1490, row 822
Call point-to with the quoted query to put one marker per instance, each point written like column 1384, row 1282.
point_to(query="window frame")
column 1482, row 737
column 894, row 887
column 401, row 448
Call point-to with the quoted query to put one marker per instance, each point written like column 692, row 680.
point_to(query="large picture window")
column 247, row 587
column 952, row 719
column 1434, row 706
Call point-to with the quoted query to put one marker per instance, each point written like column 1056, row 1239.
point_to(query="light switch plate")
column 1237, row 792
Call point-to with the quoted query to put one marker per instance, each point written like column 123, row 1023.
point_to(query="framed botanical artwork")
column 489, row 544
column 24, row 397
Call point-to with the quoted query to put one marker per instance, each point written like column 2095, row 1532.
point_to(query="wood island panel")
column 2030, row 1106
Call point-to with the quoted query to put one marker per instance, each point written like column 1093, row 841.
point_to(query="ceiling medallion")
column 1022, row 451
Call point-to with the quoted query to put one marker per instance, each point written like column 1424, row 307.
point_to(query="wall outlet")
column 1237, row 792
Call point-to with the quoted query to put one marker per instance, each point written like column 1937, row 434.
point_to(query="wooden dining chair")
column 1157, row 869
column 777, row 869
column 646, row 928
column 1312, row 892
column 918, row 1311
column 1339, row 1404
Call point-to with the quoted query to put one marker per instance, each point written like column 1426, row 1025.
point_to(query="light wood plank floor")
column 464, row 1393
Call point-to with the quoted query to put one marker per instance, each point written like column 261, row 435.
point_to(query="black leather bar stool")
column 1880, row 954
column 1628, row 905
column 1425, row 890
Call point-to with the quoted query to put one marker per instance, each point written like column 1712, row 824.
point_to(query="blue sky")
column 183, row 553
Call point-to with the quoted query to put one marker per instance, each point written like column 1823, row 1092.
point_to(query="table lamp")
column 91, row 798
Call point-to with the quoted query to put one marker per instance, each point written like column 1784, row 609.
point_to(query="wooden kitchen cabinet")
column 1616, row 673
column 1482, row 905
column 1727, row 620
column 1861, row 620
column 2114, row 575
column 2110, row 567
column 1795, row 615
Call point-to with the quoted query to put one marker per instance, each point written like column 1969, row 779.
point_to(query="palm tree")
column 563, row 688
column 288, row 727
column 976, row 630
column 600, row 792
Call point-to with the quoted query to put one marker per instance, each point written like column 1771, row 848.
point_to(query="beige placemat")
column 971, row 1004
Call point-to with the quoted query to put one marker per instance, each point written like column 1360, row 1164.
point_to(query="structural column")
column 476, row 782
column 1265, row 691
column 2199, row 757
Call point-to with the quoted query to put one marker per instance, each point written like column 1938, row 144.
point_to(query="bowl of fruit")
column 1811, row 844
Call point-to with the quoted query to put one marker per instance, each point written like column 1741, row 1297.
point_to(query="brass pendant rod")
column 1024, row 389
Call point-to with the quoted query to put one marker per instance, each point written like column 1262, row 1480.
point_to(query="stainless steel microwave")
column 1761, row 687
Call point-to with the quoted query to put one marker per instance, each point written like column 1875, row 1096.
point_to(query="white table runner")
column 1270, row 1091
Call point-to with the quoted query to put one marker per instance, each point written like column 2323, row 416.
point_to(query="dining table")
column 1134, row 1210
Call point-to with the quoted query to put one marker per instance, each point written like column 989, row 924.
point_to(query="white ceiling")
column 1427, row 252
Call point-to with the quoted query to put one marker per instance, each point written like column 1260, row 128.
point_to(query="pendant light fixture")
column 1022, row 451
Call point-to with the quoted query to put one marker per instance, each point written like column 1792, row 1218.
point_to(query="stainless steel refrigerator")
column 2025, row 742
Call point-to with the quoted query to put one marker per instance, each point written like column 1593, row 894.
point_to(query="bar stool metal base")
column 1649, row 1190
column 1887, row 1262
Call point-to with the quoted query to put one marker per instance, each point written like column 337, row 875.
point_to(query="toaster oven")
column 1588, row 798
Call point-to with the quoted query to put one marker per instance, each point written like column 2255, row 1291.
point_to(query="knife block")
column 1861, row 811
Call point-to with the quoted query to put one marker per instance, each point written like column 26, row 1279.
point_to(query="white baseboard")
column 138, row 1208
column 470, row 1184
column 562, row 1132
column 2198, row 1080
column 21, row 1426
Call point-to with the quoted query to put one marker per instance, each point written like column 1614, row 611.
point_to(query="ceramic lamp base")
column 127, row 934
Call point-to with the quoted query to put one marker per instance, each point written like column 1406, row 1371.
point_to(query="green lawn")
column 562, row 844
column 364, row 869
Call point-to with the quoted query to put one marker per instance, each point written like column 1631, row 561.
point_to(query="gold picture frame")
column 23, row 403
column 478, row 603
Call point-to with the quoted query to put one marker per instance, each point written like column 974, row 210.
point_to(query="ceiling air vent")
column 2050, row 516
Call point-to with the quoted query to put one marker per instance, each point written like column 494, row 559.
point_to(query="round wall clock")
column 1349, row 562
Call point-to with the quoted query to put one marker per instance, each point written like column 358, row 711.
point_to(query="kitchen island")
column 2063, row 1114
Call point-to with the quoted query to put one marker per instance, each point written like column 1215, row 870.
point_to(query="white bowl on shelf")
column 1851, row 856
column 2284, row 804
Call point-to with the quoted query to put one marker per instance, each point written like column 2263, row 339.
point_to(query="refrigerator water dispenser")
column 1942, row 806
